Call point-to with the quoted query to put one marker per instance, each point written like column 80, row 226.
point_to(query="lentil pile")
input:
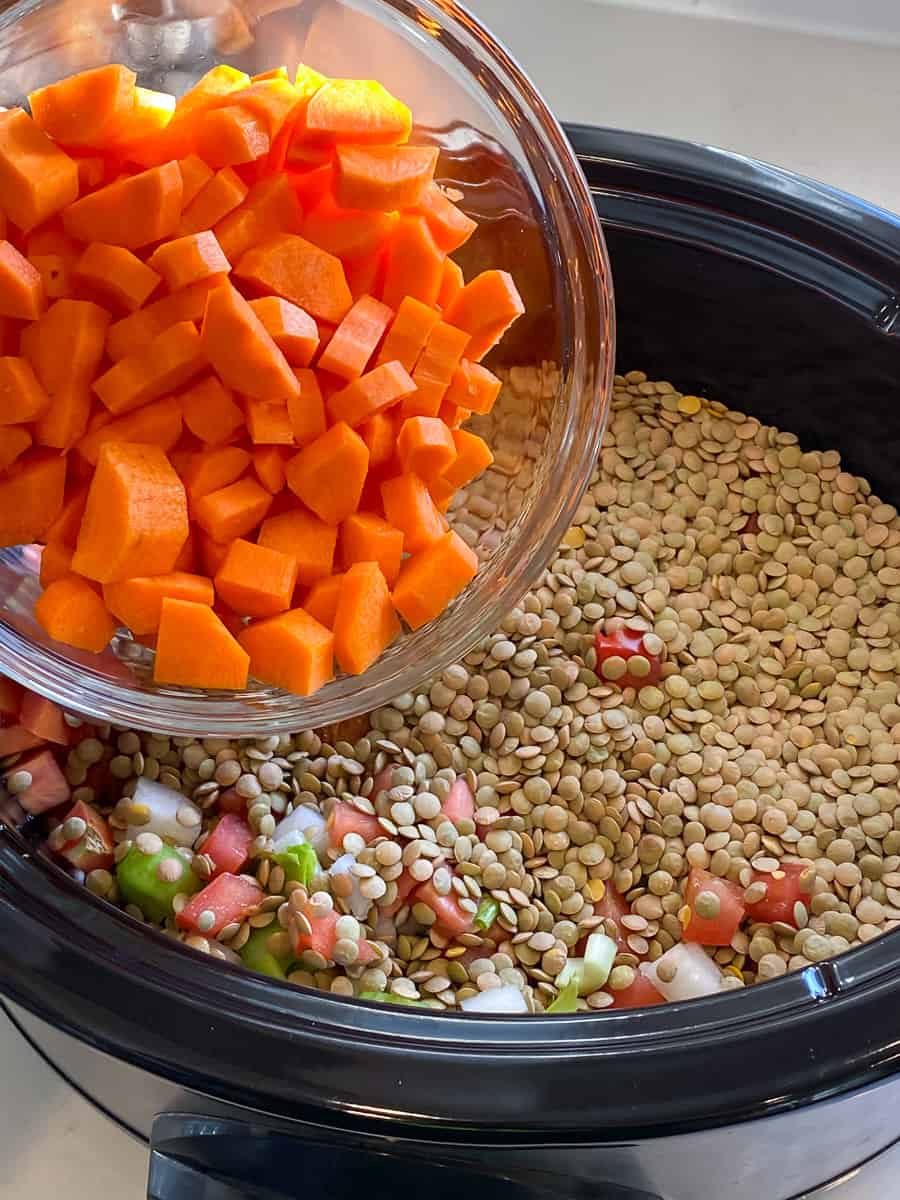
column 756, row 725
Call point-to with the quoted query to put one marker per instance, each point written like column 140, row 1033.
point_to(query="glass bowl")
column 506, row 156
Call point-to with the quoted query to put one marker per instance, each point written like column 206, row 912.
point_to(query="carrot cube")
column 132, row 212
column 31, row 496
column 189, row 259
column 85, row 109
column 383, row 177
column 137, row 602
column 322, row 599
column 233, row 511
column 432, row 578
column 328, row 474
column 307, row 411
column 22, row 399
column 309, row 541
column 365, row 623
column 195, row 175
column 269, row 424
column 425, row 446
column 485, row 309
column 213, row 469
column 268, row 463
column 37, row 179
column 371, row 394
column 242, row 353
column 292, row 651
column 135, row 332
column 270, row 207
column 195, row 649
column 117, row 275
column 156, row 424
column 356, row 338
column 408, row 334
column 366, row 537
column 170, row 360
column 215, row 200
column 357, row 110
column 434, row 370
column 473, row 387
column 293, row 331
column 449, row 225
column 227, row 137
column 21, row 285
column 295, row 269
column 71, row 611
column 409, row 507
column 210, row 411
column 415, row 265
column 472, row 457
column 256, row 580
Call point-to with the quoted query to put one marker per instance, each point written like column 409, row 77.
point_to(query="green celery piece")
column 140, row 884
column 256, row 955
column 392, row 998
column 567, row 1000
column 300, row 863
column 488, row 911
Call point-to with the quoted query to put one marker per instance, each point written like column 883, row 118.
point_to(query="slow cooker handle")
column 211, row 1158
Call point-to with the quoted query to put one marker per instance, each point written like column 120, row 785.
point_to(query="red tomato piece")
column 460, row 803
column 628, row 645
column 783, row 890
column 49, row 787
column 405, row 885
column 322, row 937
column 229, row 844
column 44, row 719
column 719, row 929
column 641, row 994
column 10, row 700
column 94, row 849
column 230, row 802
column 14, row 739
column 613, row 907
column 451, row 918
column 346, row 818
column 229, row 898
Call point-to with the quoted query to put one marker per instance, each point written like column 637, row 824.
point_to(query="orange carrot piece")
column 132, row 212
column 187, row 559
column 195, row 649
column 268, row 463
column 273, row 73
column 255, row 580
column 213, row 469
column 472, row 457
column 365, row 277
column 169, row 362
column 195, row 175
column 269, row 424
column 452, row 283
column 85, row 109
column 134, row 333
column 383, row 178
column 292, row 330
column 310, row 184
column 156, row 424
column 210, row 411
column 56, row 562
column 215, row 200
column 379, row 435
column 136, row 518
column 449, row 225
column 117, row 275
column 408, row 334
column 137, row 602
column 150, row 115
column 210, row 88
column 271, row 207
column 31, row 496
column 21, row 285
column 189, row 259
column 22, row 399
column 452, row 414
column 91, row 173
column 372, row 393
column 328, row 474
column 292, row 651
column 366, row 537
column 227, row 137
column 56, row 272
column 233, row 511
column 434, row 370
column 432, row 578
column 425, row 447
column 296, row 270
column 37, row 179
column 345, row 233
column 14, row 441
column 307, row 411
column 71, row 612
column 415, row 263
column 322, row 599
column 359, row 111
column 308, row 540
column 473, row 387
column 210, row 552
column 65, row 348
column 485, row 309
column 409, row 507
column 242, row 354
column 271, row 101
column 64, row 528
column 365, row 623
column 356, row 338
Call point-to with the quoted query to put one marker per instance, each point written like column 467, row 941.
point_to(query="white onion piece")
column 359, row 905
column 505, row 999
column 165, row 805
column 695, row 973
column 302, row 825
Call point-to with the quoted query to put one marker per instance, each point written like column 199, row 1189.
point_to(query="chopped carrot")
column 449, row 225
column 452, row 414
column 22, row 398
column 366, row 537
column 149, row 116
column 307, row 411
column 37, row 179
column 213, row 469
column 356, row 338
column 269, row 424
column 452, row 282
column 64, row 528
column 169, row 362
column 210, row 411
column 65, row 348
column 91, row 173
column 210, row 88
column 21, row 285
column 117, row 275
column 189, row 259
column 365, row 277
column 56, row 272
column 14, row 441
column 136, row 518
column 383, row 178
column 348, row 234
column 379, row 435
column 425, row 447
column 322, row 599
column 415, row 264
column 195, row 649
column 432, row 578
column 328, row 474
column 442, row 493
column 296, row 270
column 211, row 553
column 71, row 612
column 365, row 623
column 31, row 496
column 187, row 558
column 292, row 651
column 434, row 370
column 256, row 580
column 227, row 137
column 372, row 393
column 132, row 212
column 156, row 424
column 271, row 101
column 86, row 109
column 268, row 464
column 292, row 330
column 357, row 110
column 308, row 540
column 233, row 511
column 472, row 457
column 473, row 387
column 274, row 73
column 242, row 354
column 56, row 562
column 408, row 334
column 195, row 175
column 271, row 207
column 137, row 602
column 409, row 507
column 134, row 333
column 215, row 200
column 485, row 309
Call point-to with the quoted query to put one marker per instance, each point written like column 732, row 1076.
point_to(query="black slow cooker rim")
column 140, row 996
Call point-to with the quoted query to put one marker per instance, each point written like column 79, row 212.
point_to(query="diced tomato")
column 641, row 994
column 460, row 803
column 94, row 850
column 10, row 700
column 383, row 781
column 322, row 937
column 613, row 907
column 721, row 928
column 405, row 885
column 783, row 890
column 626, row 644
column 230, row 802
column 14, row 739
column 229, row 898
column 346, row 818
column 44, row 719
column 367, row 953
column 49, row 787
column 451, row 918
column 229, row 844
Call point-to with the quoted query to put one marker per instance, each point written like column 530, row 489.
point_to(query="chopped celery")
column 567, row 1000
column 152, row 881
column 392, row 998
column 592, row 971
column 300, row 863
column 256, row 955
column 488, row 911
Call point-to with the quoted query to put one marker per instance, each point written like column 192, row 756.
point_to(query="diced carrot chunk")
column 195, row 175
column 132, row 212
column 328, row 474
column 452, row 282
column 242, row 353
column 21, row 286
column 408, row 334
column 366, row 537
column 365, row 623
column 348, row 234
column 425, row 447
column 292, row 330
column 357, row 110
column 149, row 116
column 270, row 207
column 37, row 179
column 322, row 599
column 215, row 200
column 31, row 496
column 15, row 740
column 296, row 270
column 383, row 177
column 213, row 469
column 449, row 225
column 117, row 275
column 269, row 424
column 170, row 361
column 409, row 507
column 268, row 463
column 356, row 338
column 44, row 719
column 56, row 561
column 473, row 387
column 189, row 259
column 233, row 511
column 434, row 370
column 85, row 109
column 309, row 541
column 485, row 309
column 378, row 434
column 372, row 393
column 472, row 457
column 227, row 137
column 415, row 264
column 156, row 424
column 255, row 580
column 134, row 333
column 22, row 399
column 210, row 411
column 194, row 649
column 71, row 611
column 432, row 578
column 137, row 602
column 292, row 651
column 307, row 411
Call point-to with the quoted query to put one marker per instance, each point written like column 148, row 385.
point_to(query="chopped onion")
column 505, row 999
column 302, row 825
column 592, row 971
column 173, row 817
column 359, row 905
column 695, row 973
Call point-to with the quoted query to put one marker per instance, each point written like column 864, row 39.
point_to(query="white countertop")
column 822, row 105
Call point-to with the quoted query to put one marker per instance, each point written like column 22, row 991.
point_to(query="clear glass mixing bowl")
column 506, row 155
